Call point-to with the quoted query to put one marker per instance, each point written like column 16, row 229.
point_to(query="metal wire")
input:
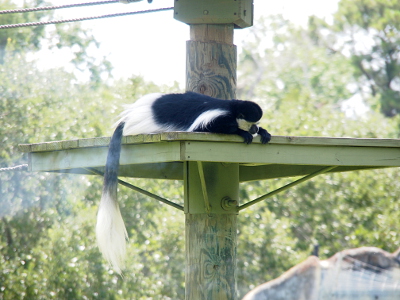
column 25, row 10
column 138, row 189
column 9, row 26
column 285, row 187
column 20, row 168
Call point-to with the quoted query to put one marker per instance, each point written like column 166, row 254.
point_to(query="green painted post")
column 211, row 188
column 211, row 235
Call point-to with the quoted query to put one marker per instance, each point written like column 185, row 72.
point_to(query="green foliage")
column 280, row 60
column 301, row 86
column 21, row 38
column 367, row 32
column 37, row 106
column 69, row 36
column 47, row 243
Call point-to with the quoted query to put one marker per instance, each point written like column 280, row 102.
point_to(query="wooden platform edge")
column 208, row 137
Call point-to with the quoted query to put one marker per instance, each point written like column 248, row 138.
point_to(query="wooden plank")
column 283, row 140
column 96, row 156
column 201, row 136
column 25, row 148
column 209, row 137
column 283, row 150
column 67, row 159
column 174, row 171
column 94, row 142
column 291, row 154
column 330, row 141
column 165, row 170
column 263, row 172
column 287, row 154
column 47, row 146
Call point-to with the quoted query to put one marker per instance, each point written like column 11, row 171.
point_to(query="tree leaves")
column 368, row 33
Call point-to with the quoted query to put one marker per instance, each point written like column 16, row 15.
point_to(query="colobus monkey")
column 154, row 113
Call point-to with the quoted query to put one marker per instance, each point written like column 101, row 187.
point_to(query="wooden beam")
column 211, row 61
column 292, row 154
column 211, row 235
column 208, row 137
column 238, row 12
column 272, row 171
column 210, row 226
column 162, row 155
column 96, row 156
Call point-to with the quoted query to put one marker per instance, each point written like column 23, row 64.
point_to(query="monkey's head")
column 247, row 115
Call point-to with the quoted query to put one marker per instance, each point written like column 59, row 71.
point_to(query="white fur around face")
column 244, row 125
column 111, row 233
column 206, row 118
column 138, row 117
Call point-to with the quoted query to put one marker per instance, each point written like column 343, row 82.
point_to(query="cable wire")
column 25, row 10
column 9, row 26
column 20, row 168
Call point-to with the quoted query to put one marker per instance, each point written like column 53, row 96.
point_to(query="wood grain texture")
column 272, row 171
column 210, row 256
column 291, row 154
column 288, row 153
column 211, row 66
column 96, row 156
column 210, row 237
column 221, row 180
column 209, row 137
column 212, row 33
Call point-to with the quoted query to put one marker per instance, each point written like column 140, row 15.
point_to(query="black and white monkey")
column 155, row 113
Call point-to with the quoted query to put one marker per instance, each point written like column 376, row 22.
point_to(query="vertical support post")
column 211, row 237
column 211, row 233
column 211, row 61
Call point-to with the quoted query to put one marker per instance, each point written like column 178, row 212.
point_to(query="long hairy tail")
column 110, row 229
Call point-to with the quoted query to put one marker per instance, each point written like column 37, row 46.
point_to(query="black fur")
column 181, row 110
column 112, row 164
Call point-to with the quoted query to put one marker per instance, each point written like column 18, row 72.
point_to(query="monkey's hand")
column 265, row 136
column 248, row 138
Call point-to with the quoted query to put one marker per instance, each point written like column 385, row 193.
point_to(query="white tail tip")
column 111, row 232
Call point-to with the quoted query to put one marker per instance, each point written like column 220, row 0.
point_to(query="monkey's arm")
column 227, row 125
column 248, row 138
column 265, row 136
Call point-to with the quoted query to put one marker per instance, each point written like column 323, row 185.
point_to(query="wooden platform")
column 162, row 156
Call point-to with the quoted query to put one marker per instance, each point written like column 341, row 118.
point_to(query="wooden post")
column 211, row 188
column 211, row 61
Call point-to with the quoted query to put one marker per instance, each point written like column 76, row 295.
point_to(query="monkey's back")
column 182, row 110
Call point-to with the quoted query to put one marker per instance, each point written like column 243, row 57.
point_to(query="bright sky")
column 153, row 45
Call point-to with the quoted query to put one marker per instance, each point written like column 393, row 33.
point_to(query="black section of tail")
column 112, row 164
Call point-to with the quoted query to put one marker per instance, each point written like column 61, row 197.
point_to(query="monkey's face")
column 250, row 127
column 248, row 114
